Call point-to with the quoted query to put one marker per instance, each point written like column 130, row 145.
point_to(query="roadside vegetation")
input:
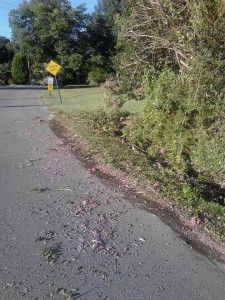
column 158, row 112
column 86, row 115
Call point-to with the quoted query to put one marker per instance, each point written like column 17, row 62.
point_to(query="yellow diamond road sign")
column 53, row 67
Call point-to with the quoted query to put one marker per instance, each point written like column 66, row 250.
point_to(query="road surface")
column 64, row 234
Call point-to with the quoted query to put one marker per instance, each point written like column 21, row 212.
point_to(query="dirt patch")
column 144, row 196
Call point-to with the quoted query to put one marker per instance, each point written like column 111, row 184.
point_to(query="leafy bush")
column 5, row 73
column 184, row 116
column 19, row 70
column 208, row 156
column 38, row 75
column 97, row 75
column 180, row 63
column 108, row 121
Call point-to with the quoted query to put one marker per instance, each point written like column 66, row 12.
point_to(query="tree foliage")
column 6, row 56
column 110, row 10
column 100, row 48
column 54, row 30
column 6, row 50
column 48, row 30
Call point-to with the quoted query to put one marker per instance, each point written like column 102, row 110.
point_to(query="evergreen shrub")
column 20, row 74
column 5, row 73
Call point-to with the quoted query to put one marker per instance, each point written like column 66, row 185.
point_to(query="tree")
column 19, row 69
column 100, row 46
column 48, row 29
column 100, row 39
column 110, row 9
column 6, row 56
column 6, row 50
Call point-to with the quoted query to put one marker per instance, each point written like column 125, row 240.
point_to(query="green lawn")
column 74, row 100
column 83, row 99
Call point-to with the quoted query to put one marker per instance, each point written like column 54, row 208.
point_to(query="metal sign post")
column 58, row 89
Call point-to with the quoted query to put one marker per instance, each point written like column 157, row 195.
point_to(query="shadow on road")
column 23, row 98
column 10, row 106
column 26, row 87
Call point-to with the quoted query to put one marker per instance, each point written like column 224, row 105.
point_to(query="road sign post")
column 58, row 89
column 53, row 68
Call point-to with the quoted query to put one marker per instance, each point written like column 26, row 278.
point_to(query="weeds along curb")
column 106, row 155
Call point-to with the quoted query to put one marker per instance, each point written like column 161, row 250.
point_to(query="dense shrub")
column 19, row 70
column 97, row 75
column 178, row 52
column 110, row 121
column 184, row 117
column 5, row 73
column 37, row 73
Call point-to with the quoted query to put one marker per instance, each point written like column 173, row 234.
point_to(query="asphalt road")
column 64, row 234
